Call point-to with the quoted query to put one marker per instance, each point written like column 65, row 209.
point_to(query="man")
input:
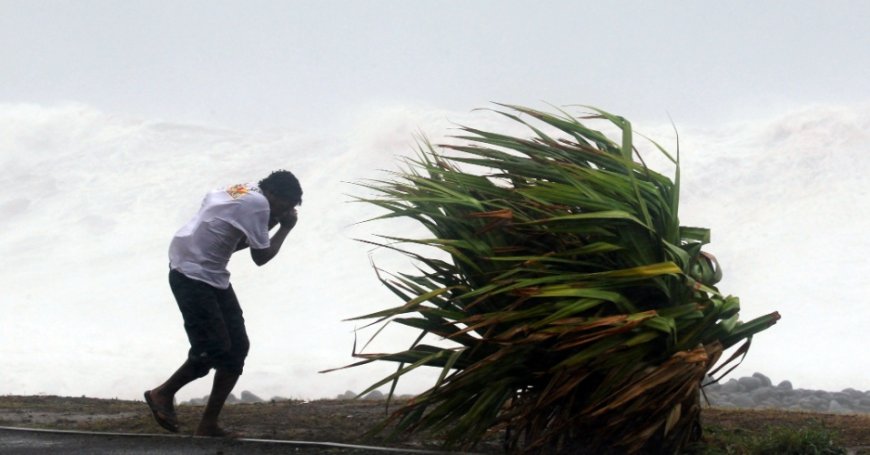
column 229, row 220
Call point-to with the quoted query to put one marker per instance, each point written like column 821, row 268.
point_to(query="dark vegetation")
column 581, row 315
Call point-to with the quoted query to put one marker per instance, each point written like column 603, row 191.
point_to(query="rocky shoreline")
column 758, row 392
column 749, row 392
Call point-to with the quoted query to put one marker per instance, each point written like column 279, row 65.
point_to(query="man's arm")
column 243, row 243
column 287, row 220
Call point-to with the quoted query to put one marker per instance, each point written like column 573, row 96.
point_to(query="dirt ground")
column 345, row 421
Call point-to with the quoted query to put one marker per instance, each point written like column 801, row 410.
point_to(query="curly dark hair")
column 283, row 184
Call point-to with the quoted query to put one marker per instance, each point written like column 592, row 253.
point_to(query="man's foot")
column 216, row 432
column 162, row 410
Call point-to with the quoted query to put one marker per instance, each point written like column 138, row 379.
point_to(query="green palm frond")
column 584, row 315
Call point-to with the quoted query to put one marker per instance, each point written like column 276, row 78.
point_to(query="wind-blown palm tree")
column 584, row 316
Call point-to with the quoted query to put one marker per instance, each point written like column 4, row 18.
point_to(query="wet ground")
column 32, row 442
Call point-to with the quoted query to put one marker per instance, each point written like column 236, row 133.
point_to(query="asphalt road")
column 19, row 441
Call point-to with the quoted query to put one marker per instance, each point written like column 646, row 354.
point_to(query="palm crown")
column 584, row 315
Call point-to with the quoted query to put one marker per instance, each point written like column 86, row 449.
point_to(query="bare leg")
column 224, row 381
column 164, row 394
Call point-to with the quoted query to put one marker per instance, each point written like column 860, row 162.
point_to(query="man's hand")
column 288, row 219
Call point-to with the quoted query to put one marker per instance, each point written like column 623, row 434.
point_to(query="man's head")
column 282, row 189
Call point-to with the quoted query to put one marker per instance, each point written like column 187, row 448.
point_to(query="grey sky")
column 263, row 64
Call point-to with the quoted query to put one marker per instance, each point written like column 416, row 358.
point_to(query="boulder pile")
column 758, row 392
column 749, row 392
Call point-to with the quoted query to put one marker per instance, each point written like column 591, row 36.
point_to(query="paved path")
column 19, row 441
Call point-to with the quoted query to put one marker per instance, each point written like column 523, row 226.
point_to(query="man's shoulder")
column 241, row 193
column 231, row 203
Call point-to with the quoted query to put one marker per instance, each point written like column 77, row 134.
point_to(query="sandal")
column 165, row 417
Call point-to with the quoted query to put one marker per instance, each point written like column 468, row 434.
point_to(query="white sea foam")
column 91, row 200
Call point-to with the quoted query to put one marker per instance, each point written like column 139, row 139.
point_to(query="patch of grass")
column 770, row 440
column 816, row 441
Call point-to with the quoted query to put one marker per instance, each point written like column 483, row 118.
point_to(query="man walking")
column 229, row 220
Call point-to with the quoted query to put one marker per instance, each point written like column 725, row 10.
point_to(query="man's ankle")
column 160, row 394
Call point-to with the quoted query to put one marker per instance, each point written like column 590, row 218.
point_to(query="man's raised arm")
column 288, row 221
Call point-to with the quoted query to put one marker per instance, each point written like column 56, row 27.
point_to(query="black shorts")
column 213, row 322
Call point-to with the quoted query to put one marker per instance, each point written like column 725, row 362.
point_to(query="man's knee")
column 200, row 364
column 230, row 357
column 235, row 359
column 240, row 348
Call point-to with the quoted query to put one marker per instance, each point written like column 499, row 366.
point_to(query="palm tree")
column 583, row 316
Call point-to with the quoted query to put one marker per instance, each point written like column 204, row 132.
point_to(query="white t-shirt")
column 202, row 248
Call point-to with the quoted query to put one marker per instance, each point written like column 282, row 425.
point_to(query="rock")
column 785, row 385
column 708, row 384
column 842, row 397
column 813, row 403
column 765, row 381
column 249, row 397
column 838, row 408
column 712, row 397
column 750, row 383
column 762, row 394
column 348, row 395
column 852, row 393
column 374, row 395
column 742, row 401
column 732, row 386
column 770, row 404
column 232, row 399
column 713, row 387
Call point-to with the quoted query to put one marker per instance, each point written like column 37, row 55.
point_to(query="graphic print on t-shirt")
column 237, row 191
